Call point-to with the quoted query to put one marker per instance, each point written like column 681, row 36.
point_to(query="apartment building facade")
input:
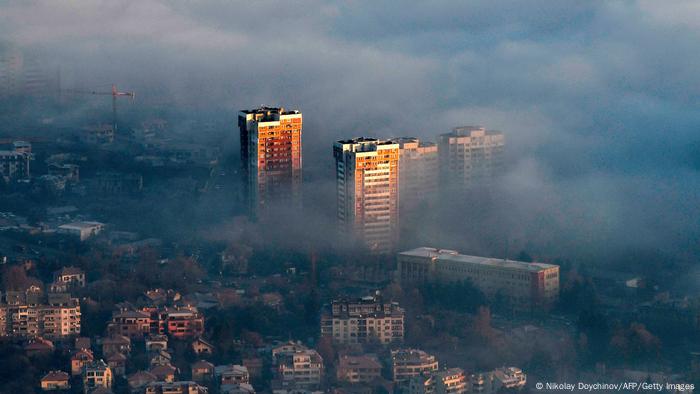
column 450, row 381
column 26, row 318
column 271, row 156
column 301, row 369
column 367, row 190
column 409, row 363
column 364, row 320
column 182, row 322
column 14, row 165
column 358, row 369
column 418, row 173
column 469, row 157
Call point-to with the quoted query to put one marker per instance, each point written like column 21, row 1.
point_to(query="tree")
column 482, row 324
column 326, row 350
column 15, row 278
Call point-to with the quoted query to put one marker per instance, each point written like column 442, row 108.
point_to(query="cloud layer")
column 599, row 100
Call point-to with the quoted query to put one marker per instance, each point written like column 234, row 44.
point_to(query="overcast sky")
column 599, row 100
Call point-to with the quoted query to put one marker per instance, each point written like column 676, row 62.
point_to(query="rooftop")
column 269, row 111
column 451, row 255
column 466, row 131
column 411, row 140
column 365, row 361
column 414, row 355
column 55, row 376
column 11, row 153
column 81, row 225
column 70, row 270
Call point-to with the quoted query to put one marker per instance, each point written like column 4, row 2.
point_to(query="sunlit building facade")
column 271, row 157
column 367, row 181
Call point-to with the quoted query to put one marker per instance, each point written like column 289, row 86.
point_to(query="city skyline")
column 453, row 197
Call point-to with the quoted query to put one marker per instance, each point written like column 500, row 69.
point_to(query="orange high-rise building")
column 367, row 174
column 271, row 156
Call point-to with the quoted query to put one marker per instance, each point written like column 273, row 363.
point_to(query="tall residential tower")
column 271, row 156
column 470, row 157
column 418, row 173
column 367, row 176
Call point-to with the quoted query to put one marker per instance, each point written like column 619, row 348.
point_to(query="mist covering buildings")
column 391, row 245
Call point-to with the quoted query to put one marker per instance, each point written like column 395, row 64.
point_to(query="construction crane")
column 114, row 93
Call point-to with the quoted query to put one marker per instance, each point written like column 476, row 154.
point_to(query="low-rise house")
column 450, row 381
column 38, row 346
column 156, row 342
column 97, row 374
column 254, row 365
column 202, row 371
column 129, row 323
column 183, row 387
column 160, row 297
column 510, row 378
column 55, row 380
column 74, row 277
column 81, row 230
column 300, row 369
column 286, row 347
column 164, row 373
column 160, row 357
column 79, row 359
column 202, row 347
column 100, row 390
column 82, row 343
column 240, row 388
column 506, row 378
column 117, row 361
column 409, row 363
column 139, row 380
column 231, row 374
column 358, row 369
column 116, row 344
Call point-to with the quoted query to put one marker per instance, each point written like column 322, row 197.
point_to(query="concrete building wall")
column 367, row 177
column 271, row 156
column 470, row 157
column 525, row 286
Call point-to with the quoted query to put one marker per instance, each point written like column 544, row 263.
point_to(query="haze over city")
column 184, row 123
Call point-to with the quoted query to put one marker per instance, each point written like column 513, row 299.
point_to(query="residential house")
column 156, row 342
column 116, row 344
column 164, row 373
column 117, row 362
column 202, row 347
column 55, row 380
column 359, row 369
column 79, row 359
column 139, row 380
column 97, row 374
column 202, row 371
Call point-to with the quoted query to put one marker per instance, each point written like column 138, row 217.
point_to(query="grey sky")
column 599, row 100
